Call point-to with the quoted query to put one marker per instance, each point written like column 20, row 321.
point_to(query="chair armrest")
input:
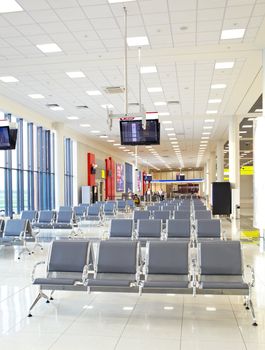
column 22, row 235
column 253, row 279
column 85, row 274
column 193, row 271
column 35, row 232
column 224, row 235
column 35, row 268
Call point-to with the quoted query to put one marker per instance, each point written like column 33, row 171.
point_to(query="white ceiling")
column 184, row 45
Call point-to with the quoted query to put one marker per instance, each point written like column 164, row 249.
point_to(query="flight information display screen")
column 133, row 134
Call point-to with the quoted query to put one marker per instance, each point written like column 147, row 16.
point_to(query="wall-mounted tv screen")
column 133, row 134
column 4, row 138
column 148, row 178
column 13, row 138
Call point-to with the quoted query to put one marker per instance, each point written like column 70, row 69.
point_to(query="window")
column 68, row 172
column 28, row 171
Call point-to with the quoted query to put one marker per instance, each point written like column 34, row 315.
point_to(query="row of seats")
column 218, row 269
column 174, row 228
column 176, row 214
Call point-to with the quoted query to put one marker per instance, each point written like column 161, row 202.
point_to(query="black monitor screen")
column 4, row 138
column 132, row 132
column 13, row 138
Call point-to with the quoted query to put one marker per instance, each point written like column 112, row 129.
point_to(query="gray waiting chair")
column 65, row 208
column 94, row 213
column 182, row 214
column 140, row 215
column 64, row 220
column 121, row 228
column 30, row 215
column 163, row 215
column 80, row 212
column 117, row 267
column 208, row 229
column 149, row 229
column 167, row 268
column 2, row 226
column 130, row 205
column 45, row 219
column 202, row 215
column 221, row 271
column 14, row 233
column 109, row 209
column 178, row 229
column 68, row 265
column 121, row 205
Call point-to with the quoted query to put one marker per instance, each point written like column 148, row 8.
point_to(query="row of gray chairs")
column 19, row 232
column 50, row 219
column 166, row 214
column 174, row 229
column 167, row 269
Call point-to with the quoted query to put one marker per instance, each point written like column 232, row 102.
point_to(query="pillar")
column 59, row 164
column 220, row 161
column 234, row 162
column 259, row 167
column 211, row 170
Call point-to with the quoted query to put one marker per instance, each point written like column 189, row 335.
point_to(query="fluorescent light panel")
column 74, row 75
column 218, row 86
column 154, row 89
column 137, row 41
column 232, row 34
column 49, row 48
column 214, row 100
column 9, row 79
column 57, row 108
column 224, row 65
column 85, row 125
column 148, row 69
column 107, row 106
column 7, row 6
column 160, row 103
column 36, row 96
column 72, row 117
column 94, row 93
column 211, row 112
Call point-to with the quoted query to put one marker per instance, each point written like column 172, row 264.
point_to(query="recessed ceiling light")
column 9, row 79
column 224, row 65
column 247, row 126
column 121, row 147
column 214, row 100
column 103, row 136
column 211, row 112
column 258, row 110
column 95, row 131
column 218, row 86
column 171, row 134
column 85, row 125
column 110, row 140
column 251, row 119
column 7, row 6
column 160, row 103
column 209, row 120
column 148, row 69
column 172, row 138
column 75, row 75
column 49, row 48
column 169, row 129
column 116, row 144
column 72, row 117
column 57, row 108
column 166, row 122
column 206, row 133
column 232, row 34
column 207, row 127
column 107, row 106
column 154, row 89
column 204, row 141
column 137, row 41
column 173, row 142
column 117, row 1
column 163, row 114
column 205, row 138
column 94, row 93
column 36, row 96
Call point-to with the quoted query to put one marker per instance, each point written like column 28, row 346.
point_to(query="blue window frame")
column 68, row 172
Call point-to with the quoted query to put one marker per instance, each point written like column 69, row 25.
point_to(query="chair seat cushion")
column 109, row 283
column 55, row 281
column 166, row 284
column 224, row 285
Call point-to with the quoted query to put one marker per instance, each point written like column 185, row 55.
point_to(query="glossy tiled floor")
column 111, row 321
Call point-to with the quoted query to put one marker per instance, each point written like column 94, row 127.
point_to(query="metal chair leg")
column 39, row 296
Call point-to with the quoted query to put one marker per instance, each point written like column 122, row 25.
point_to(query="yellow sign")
column 103, row 174
column 245, row 170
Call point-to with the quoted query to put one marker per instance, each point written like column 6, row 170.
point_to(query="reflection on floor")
column 110, row 321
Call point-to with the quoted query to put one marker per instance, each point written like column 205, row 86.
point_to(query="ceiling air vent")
column 133, row 104
column 173, row 102
column 114, row 90
column 82, row 107
column 52, row 105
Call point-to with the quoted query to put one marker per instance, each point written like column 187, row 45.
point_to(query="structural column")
column 220, row 161
column 211, row 167
column 259, row 165
column 234, row 162
column 59, row 164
